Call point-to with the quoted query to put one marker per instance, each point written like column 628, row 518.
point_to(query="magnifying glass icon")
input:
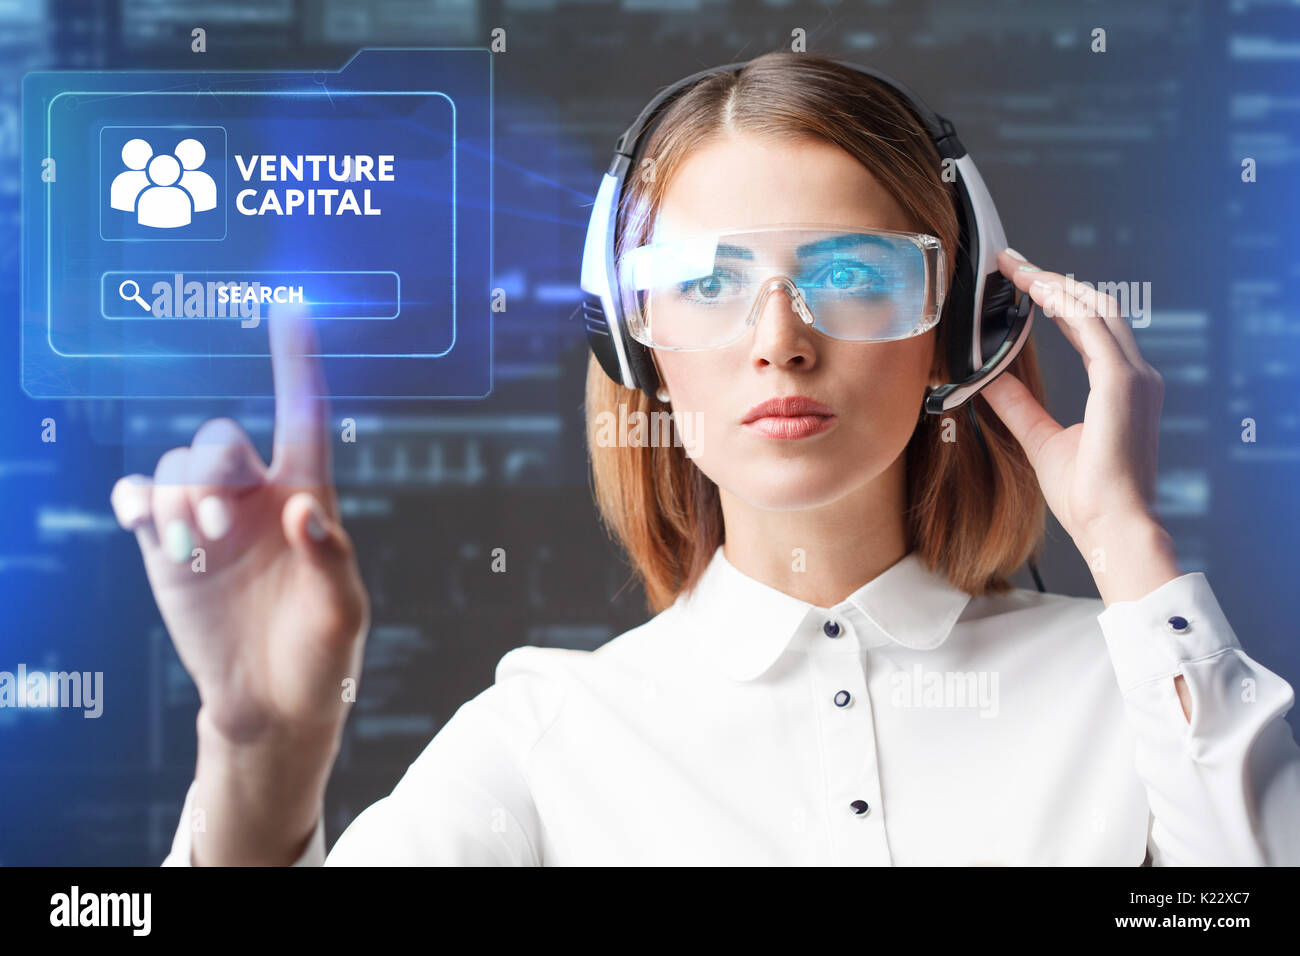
column 130, row 291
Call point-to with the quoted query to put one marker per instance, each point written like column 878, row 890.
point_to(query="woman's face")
column 874, row 388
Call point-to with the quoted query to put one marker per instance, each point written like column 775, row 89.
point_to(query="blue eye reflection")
column 849, row 275
column 837, row 277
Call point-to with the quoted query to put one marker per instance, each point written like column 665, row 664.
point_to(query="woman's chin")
column 789, row 492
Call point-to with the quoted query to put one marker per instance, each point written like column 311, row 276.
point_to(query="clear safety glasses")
column 705, row 291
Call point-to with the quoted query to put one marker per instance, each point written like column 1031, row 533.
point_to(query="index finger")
column 1098, row 305
column 301, row 448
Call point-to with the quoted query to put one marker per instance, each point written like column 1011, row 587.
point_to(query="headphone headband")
column 941, row 132
column 994, row 323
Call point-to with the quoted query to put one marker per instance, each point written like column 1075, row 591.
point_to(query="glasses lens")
column 698, row 293
column 691, row 293
column 863, row 286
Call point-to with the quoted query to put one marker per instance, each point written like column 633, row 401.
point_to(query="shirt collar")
column 744, row 626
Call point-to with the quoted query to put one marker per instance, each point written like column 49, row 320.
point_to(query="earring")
column 662, row 395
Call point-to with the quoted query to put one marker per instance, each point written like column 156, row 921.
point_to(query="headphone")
column 993, row 318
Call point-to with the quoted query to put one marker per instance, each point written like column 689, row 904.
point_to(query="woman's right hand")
column 269, row 617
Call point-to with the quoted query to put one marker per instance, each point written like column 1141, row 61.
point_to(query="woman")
column 838, row 670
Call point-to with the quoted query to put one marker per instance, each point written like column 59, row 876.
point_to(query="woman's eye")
column 710, row 287
column 707, row 289
column 850, row 276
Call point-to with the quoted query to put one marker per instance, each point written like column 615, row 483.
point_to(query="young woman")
column 838, row 670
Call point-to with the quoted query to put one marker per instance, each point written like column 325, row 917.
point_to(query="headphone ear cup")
column 643, row 366
column 959, row 318
column 600, row 336
column 999, row 313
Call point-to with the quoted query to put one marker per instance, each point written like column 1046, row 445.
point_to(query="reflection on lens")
column 699, row 292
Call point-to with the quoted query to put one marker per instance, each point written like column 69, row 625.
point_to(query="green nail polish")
column 1028, row 269
column 179, row 541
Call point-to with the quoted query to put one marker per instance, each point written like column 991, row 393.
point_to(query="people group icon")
column 164, row 190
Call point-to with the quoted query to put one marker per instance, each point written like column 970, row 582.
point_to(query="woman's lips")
column 791, row 426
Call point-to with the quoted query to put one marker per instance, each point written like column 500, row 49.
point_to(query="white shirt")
column 933, row 728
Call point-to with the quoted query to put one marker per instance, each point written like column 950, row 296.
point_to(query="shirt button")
column 842, row 698
column 831, row 628
column 860, row 807
column 1177, row 623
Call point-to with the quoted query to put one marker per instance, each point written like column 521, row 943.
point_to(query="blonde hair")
column 976, row 522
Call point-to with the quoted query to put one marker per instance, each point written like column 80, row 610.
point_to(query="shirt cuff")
column 1153, row 636
column 182, row 843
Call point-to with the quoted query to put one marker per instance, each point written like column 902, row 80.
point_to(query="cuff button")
column 1177, row 624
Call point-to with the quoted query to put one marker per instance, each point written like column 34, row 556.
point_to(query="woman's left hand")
column 1098, row 476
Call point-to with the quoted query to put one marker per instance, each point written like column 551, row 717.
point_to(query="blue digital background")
column 438, row 342
column 1122, row 166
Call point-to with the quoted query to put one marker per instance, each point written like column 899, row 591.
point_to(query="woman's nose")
column 783, row 332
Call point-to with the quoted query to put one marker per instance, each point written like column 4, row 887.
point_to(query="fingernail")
column 129, row 512
column 1014, row 255
column 214, row 517
column 1028, row 269
column 1051, row 289
column 179, row 540
column 316, row 523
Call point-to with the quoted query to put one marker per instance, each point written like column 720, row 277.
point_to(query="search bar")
column 244, row 294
